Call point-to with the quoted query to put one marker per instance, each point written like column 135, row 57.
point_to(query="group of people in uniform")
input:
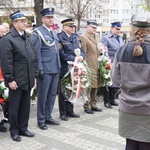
column 43, row 56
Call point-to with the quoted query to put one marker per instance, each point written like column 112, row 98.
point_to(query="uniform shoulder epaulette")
column 36, row 29
column 75, row 34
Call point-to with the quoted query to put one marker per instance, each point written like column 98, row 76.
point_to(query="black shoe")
column 42, row 126
column 73, row 115
column 64, row 117
column 114, row 103
column 27, row 134
column 97, row 109
column 89, row 111
column 3, row 128
column 107, row 105
column 52, row 122
column 16, row 137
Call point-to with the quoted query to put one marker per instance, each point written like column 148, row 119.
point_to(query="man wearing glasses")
column 113, row 42
column 19, row 66
column 46, row 43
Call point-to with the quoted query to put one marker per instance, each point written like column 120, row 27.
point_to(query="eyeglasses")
column 117, row 28
column 48, row 17
column 22, row 21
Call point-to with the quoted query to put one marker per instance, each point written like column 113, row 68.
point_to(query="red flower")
column 108, row 66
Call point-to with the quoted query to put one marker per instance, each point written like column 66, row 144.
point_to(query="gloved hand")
column 41, row 74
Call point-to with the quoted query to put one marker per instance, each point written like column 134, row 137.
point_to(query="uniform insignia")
column 34, row 33
column 65, row 43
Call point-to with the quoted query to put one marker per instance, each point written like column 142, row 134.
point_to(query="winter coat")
column 18, row 59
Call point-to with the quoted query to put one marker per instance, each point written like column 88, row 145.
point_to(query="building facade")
column 104, row 11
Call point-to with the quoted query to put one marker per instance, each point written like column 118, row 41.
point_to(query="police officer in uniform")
column 113, row 42
column 46, row 43
column 69, row 41
column 19, row 65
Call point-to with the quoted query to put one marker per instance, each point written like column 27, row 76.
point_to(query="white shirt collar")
column 21, row 33
column 47, row 28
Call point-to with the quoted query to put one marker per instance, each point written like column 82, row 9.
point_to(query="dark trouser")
column 92, row 101
column 136, row 145
column 47, row 91
column 109, row 94
column 65, row 107
column 19, row 109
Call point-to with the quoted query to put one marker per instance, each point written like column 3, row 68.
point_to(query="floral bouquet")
column 3, row 90
column 104, row 66
column 75, row 84
column 3, row 97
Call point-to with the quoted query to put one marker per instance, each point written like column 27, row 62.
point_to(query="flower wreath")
column 104, row 66
column 75, row 84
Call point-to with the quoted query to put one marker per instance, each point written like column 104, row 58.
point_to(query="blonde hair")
column 139, row 34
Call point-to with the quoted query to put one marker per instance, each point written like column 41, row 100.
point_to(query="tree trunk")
column 78, row 26
column 37, row 8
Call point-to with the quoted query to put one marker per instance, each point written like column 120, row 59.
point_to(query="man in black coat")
column 19, row 63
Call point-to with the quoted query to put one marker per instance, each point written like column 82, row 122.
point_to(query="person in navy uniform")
column 69, row 41
column 46, row 43
column 113, row 42
column 19, row 66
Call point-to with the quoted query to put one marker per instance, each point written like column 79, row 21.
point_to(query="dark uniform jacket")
column 48, row 56
column 67, row 47
column 18, row 59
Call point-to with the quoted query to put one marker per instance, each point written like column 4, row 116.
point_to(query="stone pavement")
column 98, row 131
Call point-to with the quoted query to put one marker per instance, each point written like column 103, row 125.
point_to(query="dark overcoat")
column 18, row 59
column 66, row 51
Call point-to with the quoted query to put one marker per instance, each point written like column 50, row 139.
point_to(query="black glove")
column 41, row 74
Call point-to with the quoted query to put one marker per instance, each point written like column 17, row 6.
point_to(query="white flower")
column 2, row 85
column 6, row 92
column 106, row 76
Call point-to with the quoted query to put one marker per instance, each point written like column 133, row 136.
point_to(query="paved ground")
column 98, row 131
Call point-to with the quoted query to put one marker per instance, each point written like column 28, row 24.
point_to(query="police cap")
column 92, row 23
column 47, row 12
column 17, row 15
column 116, row 24
column 69, row 22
